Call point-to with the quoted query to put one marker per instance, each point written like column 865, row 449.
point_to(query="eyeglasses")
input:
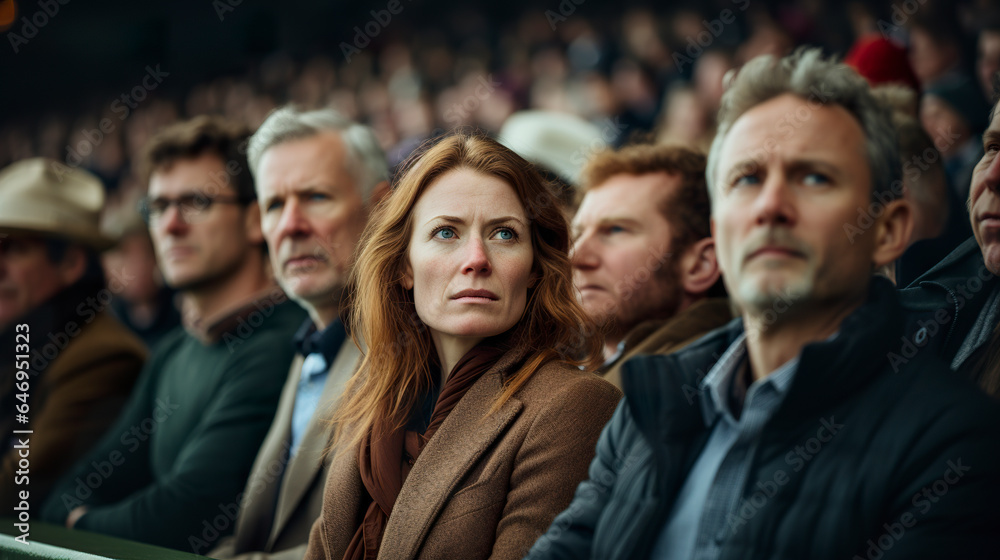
column 192, row 207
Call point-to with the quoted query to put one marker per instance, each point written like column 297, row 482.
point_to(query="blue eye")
column 816, row 179
column 317, row 196
column 444, row 233
column 506, row 234
column 746, row 180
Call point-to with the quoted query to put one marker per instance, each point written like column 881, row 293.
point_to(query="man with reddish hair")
column 643, row 256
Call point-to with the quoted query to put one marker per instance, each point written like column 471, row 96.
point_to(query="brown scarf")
column 386, row 463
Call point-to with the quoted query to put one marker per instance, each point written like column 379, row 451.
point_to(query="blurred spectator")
column 643, row 256
column 144, row 303
column 559, row 145
column 952, row 111
column 182, row 449
column 881, row 61
column 988, row 61
column 936, row 44
column 53, row 307
column 318, row 178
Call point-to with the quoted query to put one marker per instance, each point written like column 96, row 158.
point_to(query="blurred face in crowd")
column 930, row 59
column 28, row 277
column 988, row 63
column 469, row 261
column 621, row 255
column 778, row 214
column 313, row 215
column 208, row 242
column 134, row 259
column 984, row 198
column 945, row 126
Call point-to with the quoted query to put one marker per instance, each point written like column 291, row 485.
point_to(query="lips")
column 302, row 261
column 775, row 251
column 989, row 218
column 476, row 294
column 178, row 252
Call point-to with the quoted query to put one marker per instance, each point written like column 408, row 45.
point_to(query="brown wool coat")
column 671, row 335
column 486, row 485
column 75, row 401
column 279, row 509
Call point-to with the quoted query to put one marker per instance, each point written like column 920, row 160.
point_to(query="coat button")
column 921, row 337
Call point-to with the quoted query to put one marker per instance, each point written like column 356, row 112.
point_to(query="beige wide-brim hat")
column 559, row 142
column 43, row 196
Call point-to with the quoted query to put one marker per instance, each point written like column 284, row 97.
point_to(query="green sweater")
column 171, row 471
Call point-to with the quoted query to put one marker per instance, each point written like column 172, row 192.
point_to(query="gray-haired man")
column 789, row 434
column 318, row 175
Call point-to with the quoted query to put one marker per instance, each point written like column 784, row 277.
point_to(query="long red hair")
column 396, row 368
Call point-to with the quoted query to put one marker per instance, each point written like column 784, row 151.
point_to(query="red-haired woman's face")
column 469, row 258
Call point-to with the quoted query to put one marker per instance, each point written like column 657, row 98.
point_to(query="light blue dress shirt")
column 703, row 516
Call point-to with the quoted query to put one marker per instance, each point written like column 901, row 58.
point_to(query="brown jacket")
column 72, row 402
column 487, row 485
column 666, row 337
column 279, row 509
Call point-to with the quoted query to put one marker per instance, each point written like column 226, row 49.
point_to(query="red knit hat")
column 882, row 61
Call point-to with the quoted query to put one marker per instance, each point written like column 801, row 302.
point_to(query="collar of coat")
column 210, row 329
column 662, row 391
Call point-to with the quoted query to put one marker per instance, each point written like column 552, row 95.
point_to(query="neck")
column 770, row 346
column 252, row 277
column 450, row 350
column 322, row 317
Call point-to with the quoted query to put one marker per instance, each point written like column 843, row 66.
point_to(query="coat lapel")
column 307, row 464
column 257, row 516
column 459, row 444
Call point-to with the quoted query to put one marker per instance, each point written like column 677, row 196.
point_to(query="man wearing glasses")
column 171, row 471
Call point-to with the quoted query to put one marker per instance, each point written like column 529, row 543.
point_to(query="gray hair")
column 365, row 159
column 821, row 81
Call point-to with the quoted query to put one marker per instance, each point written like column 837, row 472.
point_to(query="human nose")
column 991, row 179
column 292, row 222
column 172, row 220
column 582, row 254
column 774, row 204
column 476, row 259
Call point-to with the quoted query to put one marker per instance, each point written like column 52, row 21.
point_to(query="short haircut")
column 365, row 159
column 199, row 136
column 687, row 209
column 808, row 75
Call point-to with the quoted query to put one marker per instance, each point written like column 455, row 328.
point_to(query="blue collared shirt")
column 320, row 349
column 704, row 515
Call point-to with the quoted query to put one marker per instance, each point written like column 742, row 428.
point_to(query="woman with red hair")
column 469, row 424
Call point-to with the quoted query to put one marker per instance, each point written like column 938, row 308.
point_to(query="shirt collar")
column 309, row 340
column 717, row 384
column 210, row 329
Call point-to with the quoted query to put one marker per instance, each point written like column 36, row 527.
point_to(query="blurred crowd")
column 656, row 72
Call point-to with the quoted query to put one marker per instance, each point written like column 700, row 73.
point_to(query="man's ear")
column 892, row 232
column 699, row 269
column 73, row 265
column 254, row 232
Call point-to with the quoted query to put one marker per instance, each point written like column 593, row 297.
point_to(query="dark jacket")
column 172, row 470
column 943, row 305
column 840, row 470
